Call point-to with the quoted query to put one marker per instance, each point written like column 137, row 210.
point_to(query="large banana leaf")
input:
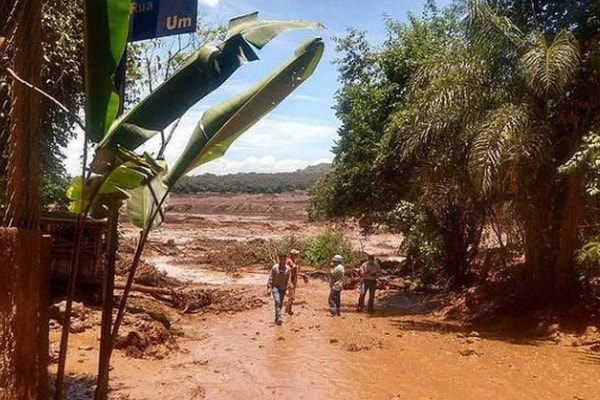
column 261, row 34
column 101, row 191
column 106, row 31
column 144, row 202
column 203, row 72
column 222, row 124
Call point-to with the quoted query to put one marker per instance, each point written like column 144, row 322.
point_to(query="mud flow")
column 229, row 348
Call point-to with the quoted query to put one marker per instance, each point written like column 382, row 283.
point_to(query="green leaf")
column 104, row 191
column 202, row 72
column 144, row 202
column 106, row 31
column 222, row 124
column 259, row 34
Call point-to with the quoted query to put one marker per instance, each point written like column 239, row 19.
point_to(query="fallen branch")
column 144, row 289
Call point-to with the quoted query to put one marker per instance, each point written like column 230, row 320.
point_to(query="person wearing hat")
column 336, row 284
column 279, row 282
column 291, row 262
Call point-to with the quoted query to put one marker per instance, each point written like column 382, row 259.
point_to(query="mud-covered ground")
column 230, row 348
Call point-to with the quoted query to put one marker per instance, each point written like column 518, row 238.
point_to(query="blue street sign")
column 156, row 18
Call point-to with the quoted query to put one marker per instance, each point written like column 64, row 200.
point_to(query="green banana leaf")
column 103, row 191
column 260, row 34
column 106, row 31
column 222, row 124
column 204, row 71
column 144, row 201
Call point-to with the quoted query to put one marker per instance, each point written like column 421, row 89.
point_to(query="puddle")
column 206, row 276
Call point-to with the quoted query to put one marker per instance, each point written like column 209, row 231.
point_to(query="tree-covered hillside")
column 252, row 182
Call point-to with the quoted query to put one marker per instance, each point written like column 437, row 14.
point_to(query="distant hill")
column 252, row 182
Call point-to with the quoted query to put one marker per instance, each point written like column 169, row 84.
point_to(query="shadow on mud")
column 409, row 311
column 76, row 387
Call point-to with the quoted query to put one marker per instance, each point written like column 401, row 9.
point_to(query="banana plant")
column 117, row 174
column 204, row 71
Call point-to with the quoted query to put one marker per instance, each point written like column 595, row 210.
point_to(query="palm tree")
column 520, row 104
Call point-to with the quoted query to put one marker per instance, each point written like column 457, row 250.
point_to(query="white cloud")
column 267, row 163
column 210, row 3
column 274, row 144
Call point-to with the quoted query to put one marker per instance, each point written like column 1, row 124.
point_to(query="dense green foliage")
column 62, row 78
column 252, row 182
column 475, row 121
column 320, row 249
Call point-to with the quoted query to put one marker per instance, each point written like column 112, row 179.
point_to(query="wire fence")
column 8, row 12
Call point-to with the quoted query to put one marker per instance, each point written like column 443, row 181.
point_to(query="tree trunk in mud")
column 551, row 222
column 22, row 329
column 569, row 217
column 456, row 260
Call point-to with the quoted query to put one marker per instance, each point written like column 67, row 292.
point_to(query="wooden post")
column 20, row 324
column 20, row 242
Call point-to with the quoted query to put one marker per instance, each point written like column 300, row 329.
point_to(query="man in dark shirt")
column 279, row 281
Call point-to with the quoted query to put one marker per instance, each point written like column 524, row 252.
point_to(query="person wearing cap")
column 369, row 271
column 291, row 262
column 279, row 282
column 336, row 284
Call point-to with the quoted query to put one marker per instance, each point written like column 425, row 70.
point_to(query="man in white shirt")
column 369, row 271
column 336, row 284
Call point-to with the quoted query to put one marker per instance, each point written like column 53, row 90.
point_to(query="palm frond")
column 506, row 136
column 487, row 26
column 548, row 69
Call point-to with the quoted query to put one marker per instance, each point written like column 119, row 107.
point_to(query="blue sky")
column 301, row 131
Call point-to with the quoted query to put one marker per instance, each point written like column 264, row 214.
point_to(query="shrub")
column 421, row 242
column 321, row 248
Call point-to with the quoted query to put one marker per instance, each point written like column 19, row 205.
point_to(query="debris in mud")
column 189, row 300
column 145, row 274
column 469, row 353
column 148, row 340
column 82, row 318
column 353, row 347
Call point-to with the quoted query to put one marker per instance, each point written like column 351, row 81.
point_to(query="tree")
column 485, row 122
column 379, row 159
column 61, row 78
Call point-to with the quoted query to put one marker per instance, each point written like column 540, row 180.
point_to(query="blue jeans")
column 278, row 295
column 367, row 285
column 334, row 301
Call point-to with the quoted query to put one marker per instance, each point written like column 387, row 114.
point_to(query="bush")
column 321, row 248
column 421, row 242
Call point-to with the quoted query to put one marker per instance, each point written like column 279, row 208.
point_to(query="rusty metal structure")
column 62, row 229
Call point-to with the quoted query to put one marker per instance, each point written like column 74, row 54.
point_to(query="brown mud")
column 407, row 349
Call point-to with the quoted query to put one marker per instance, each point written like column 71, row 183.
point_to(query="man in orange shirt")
column 291, row 262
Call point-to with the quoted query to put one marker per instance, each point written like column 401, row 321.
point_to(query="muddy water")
column 386, row 356
column 398, row 353
column 205, row 275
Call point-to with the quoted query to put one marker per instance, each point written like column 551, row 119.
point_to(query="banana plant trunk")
column 112, row 240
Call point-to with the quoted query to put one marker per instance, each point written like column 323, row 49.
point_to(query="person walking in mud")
column 293, row 264
column 369, row 271
column 279, row 282
column 336, row 284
